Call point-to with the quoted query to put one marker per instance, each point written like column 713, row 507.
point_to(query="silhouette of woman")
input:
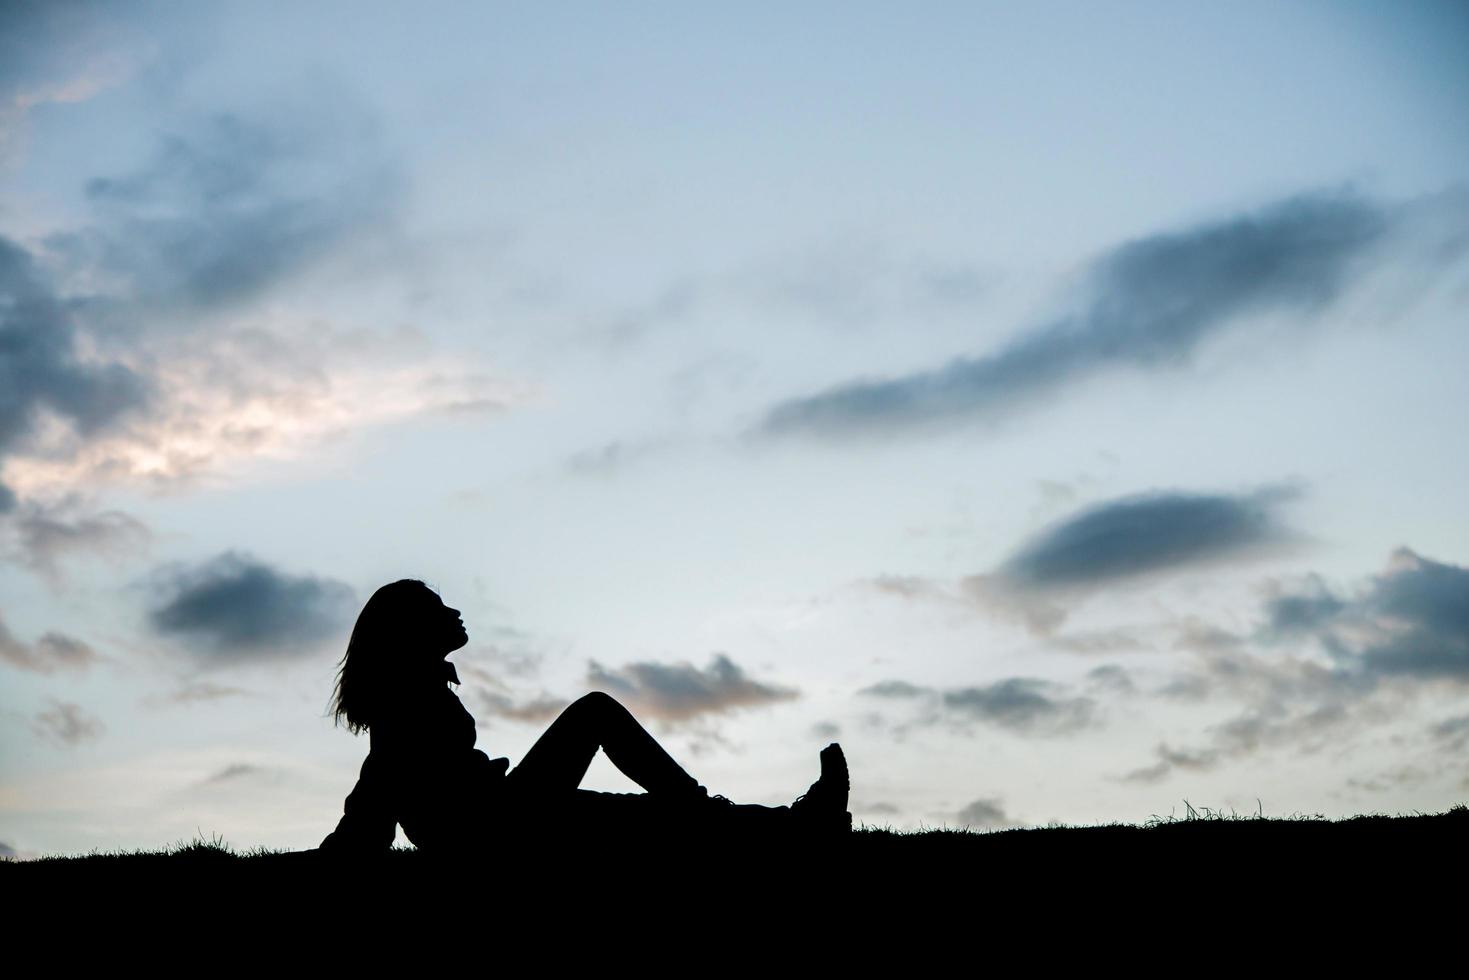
column 423, row 772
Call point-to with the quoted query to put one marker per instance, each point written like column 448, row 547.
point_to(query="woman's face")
column 448, row 627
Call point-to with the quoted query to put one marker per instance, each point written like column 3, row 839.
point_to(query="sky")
column 1060, row 405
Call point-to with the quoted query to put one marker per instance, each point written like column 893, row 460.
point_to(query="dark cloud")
column 1136, row 535
column 41, row 370
column 235, row 607
column 680, row 692
column 7, row 853
column 988, row 813
column 1151, row 304
column 1412, row 621
column 826, row 729
column 1421, row 609
column 1025, row 705
column 66, row 724
column 1301, row 614
column 1115, row 541
column 52, row 652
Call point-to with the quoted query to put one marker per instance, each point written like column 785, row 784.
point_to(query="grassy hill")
column 1205, row 892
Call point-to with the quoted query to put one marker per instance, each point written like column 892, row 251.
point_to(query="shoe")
column 824, row 805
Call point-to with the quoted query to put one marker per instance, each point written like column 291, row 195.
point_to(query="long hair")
column 370, row 668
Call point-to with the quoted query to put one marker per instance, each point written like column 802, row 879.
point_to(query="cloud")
column 43, row 376
column 1115, row 541
column 66, row 724
column 675, row 693
column 1137, row 535
column 987, row 813
column 878, row 808
column 1402, row 635
column 230, row 211
column 1420, row 613
column 1112, row 678
column 47, row 535
column 234, row 771
column 234, row 607
column 1452, row 733
column 52, row 652
column 895, row 689
column 1025, row 705
column 1170, row 759
column 1411, row 621
column 195, row 692
column 235, row 395
column 1302, row 613
column 1151, row 304
column 614, row 457
column 530, row 711
column 60, row 52
column 231, row 205
column 1022, row 705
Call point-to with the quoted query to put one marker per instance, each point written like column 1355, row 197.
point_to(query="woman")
column 424, row 773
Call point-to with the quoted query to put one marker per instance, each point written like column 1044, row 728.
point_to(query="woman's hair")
column 385, row 631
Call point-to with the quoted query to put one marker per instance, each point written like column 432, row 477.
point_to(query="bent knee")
column 596, row 701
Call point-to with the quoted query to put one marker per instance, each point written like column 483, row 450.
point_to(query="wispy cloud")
column 530, row 711
column 237, row 770
column 1150, row 304
column 48, row 535
column 67, row 724
column 232, row 205
column 681, row 692
column 235, row 607
column 195, row 692
column 1401, row 636
column 52, row 652
column 57, row 53
column 1022, row 705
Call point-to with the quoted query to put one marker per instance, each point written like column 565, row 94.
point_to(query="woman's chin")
column 459, row 643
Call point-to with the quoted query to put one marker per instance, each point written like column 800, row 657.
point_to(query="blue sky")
column 1057, row 404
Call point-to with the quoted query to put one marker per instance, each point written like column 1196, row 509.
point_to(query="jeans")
column 544, row 787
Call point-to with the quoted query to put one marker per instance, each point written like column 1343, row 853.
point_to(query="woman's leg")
column 560, row 757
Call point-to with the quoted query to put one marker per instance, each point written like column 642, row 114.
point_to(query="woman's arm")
column 368, row 822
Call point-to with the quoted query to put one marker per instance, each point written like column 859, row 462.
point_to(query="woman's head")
column 404, row 629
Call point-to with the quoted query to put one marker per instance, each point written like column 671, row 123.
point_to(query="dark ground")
column 1208, row 889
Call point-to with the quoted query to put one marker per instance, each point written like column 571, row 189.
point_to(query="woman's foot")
column 824, row 805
